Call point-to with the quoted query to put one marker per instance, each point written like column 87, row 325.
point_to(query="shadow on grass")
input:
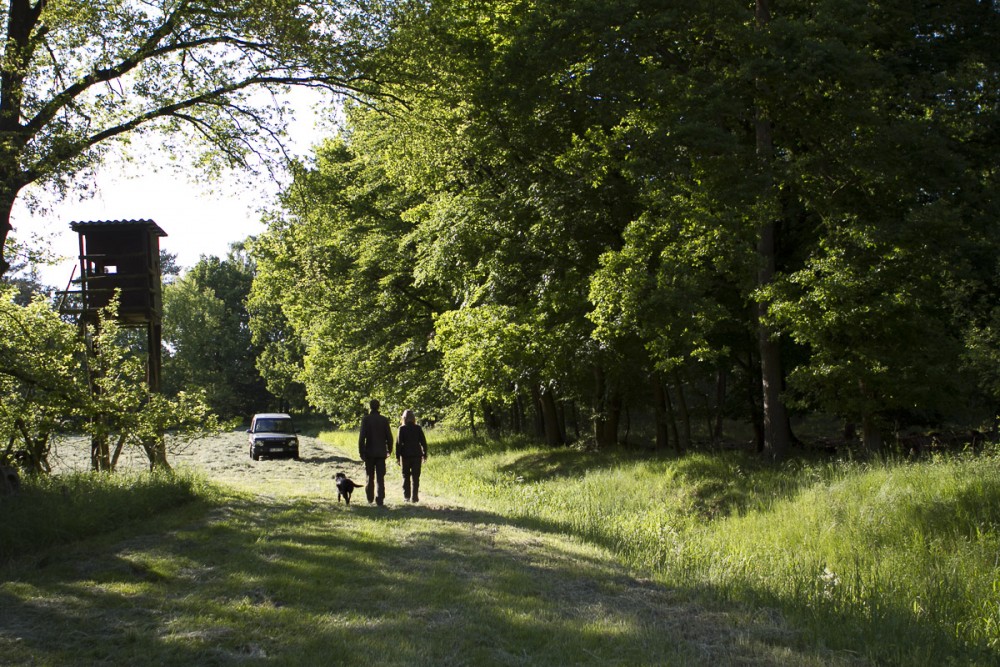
column 723, row 483
column 876, row 627
column 331, row 458
column 308, row 583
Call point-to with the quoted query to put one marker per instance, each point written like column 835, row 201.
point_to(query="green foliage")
column 486, row 352
column 575, row 197
column 339, row 268
column 206, row 333
column 41, row 388
column 53, row 379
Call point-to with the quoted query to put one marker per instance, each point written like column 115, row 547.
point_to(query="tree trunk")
column 871, row 432
column 871, row 436
column 561, row 412
column 536, row 400
column 100, row 453
column 672, row 417
column 597, row 407
column 777, row 434
column 36, row 449
column 490, row 420
column 682, row 407
column 850, row 430
column 550, row 417
column 606, row 410
column 517, row 415
column 118, row 451
column 720, row 405
column 613, row 410
column 628, row 426
column 660, row 412
column 576, row 422
column 6, row 206
column 752, row 389
column 156, row 452
column 22, row 18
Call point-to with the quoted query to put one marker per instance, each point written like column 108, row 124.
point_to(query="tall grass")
column 898, row 561
column 54, row 510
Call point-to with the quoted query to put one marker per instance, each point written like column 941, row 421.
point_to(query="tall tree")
column 206, row 332
column 687, row 191
column 79, row 76
column 339, row 263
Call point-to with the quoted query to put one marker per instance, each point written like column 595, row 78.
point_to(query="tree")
column 51, row 381
column 194, row 335
column 508, row 219
column 599, row 192
column 41, row 386
column 824, row 165
column 889, row 173
column 79, row 77
column 224, row 364
column 339, row 265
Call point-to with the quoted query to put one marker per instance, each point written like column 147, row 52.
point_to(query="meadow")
column 517, row 555
column 895, row 561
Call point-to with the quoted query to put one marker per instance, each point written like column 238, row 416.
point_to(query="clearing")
column 277, row 572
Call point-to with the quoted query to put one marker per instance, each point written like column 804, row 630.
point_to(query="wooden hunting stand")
column 122, row 255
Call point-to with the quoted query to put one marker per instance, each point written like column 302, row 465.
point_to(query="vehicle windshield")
column 273, row 426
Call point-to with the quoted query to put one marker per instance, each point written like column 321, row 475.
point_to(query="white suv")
column 273, row 434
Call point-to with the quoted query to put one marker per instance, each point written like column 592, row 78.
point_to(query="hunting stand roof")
column 122, row 255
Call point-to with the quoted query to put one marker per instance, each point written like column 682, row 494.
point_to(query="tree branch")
column 48, row 163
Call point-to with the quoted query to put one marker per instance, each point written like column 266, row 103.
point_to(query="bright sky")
column 197, row 221
column 199, row 217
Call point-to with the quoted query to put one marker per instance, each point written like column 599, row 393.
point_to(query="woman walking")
column 411, row 451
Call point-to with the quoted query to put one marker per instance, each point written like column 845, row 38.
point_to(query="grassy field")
column 895, row 562
column 517, row 555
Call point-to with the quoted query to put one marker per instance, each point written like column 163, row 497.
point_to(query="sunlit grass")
column 897, row 558
column 284, row 581
column 806, row 563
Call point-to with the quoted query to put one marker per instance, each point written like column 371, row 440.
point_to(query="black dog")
column 345, row 487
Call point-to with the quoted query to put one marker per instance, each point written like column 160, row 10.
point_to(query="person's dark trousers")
column 375, row 470
column 411, row 471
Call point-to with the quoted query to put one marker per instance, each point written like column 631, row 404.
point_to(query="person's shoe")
column 415, row 499
column 406, row 498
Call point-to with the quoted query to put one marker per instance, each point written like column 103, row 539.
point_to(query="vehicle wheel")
column 254, row 455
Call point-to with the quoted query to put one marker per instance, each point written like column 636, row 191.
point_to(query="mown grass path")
column 277, row 572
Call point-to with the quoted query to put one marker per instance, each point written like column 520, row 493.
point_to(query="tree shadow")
column 328, row 459
column 306, row 582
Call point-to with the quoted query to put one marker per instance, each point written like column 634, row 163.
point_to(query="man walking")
column 374, row 447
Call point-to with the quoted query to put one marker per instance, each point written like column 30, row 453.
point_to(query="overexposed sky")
column 200, row 217
column 197, row 220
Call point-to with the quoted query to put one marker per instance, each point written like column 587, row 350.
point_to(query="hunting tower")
column 123, row 255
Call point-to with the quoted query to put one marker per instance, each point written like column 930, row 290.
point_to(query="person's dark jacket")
column 411, row 442
column 375, row 440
